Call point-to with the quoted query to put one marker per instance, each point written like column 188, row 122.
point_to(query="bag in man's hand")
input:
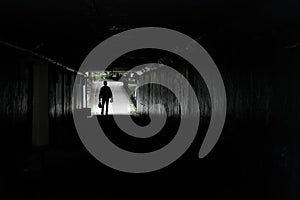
column 100, row 104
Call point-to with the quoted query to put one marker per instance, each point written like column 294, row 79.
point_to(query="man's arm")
column 100, row 94
column 111, row 96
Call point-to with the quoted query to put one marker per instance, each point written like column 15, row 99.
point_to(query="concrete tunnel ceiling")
column 66, row 30
column 142, row 56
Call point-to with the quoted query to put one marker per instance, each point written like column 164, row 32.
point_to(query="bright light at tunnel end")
column 91, row 133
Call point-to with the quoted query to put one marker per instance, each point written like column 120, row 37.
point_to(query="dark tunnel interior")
column 255, row 46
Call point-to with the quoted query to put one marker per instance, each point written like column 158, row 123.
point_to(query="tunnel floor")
column 63, row 172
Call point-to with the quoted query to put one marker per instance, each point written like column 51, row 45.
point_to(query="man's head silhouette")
column 105, row 83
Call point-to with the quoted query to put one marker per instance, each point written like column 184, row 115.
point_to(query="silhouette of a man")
column 104, row 96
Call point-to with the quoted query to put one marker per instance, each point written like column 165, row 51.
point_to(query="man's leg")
column 102, row 109
column 107, row 101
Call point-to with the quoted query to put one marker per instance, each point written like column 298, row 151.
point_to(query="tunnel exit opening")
column 123, row 87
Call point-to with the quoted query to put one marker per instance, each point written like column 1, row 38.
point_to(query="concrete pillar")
column 83, row 96
column 40, row 125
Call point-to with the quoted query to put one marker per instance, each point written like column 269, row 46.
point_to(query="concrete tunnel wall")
column 36, row 101
column 61, row 104
column 16, row 80
column 150, row 94
column 263, row 104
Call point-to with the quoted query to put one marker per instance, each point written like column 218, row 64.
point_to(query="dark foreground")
column 237, row 168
